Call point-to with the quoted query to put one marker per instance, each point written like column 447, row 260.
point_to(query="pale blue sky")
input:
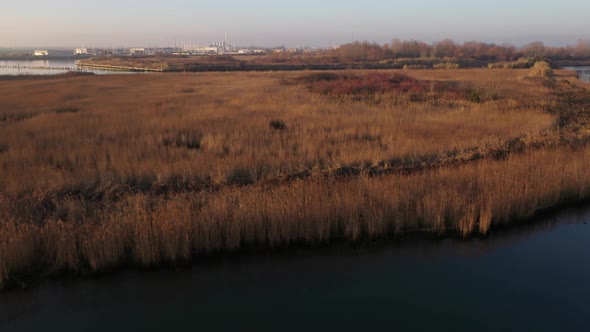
column 300, row 22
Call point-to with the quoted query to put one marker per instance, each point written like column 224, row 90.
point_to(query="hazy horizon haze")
column 110, row 23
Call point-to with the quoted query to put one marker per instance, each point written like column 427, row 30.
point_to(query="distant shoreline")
column 571, row 63
column 48, row 57
column 266, row 67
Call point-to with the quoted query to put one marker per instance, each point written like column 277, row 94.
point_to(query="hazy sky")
column 301, row 22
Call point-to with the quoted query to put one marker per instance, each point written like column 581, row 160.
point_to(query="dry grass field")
column 100, row 171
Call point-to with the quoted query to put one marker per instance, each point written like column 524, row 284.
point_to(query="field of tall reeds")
column 103, row 171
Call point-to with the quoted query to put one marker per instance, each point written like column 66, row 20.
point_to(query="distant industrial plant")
column 217, row 48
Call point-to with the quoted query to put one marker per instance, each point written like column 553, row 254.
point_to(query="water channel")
column 526, row 278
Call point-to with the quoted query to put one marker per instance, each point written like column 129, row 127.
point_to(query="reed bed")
column 163, row 168
column 146, row 131
column 147, row 229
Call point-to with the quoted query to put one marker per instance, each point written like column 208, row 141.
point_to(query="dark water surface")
column 528, row 278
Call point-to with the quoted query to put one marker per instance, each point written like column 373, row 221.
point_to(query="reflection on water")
column 583, row 72
column 533, row 278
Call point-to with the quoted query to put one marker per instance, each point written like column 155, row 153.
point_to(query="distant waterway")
column 526, row 278
column 45, row 67
column 583, row 72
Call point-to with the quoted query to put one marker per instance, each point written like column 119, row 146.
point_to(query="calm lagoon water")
column 530, row 278
column 583, row 72
column 43, row 67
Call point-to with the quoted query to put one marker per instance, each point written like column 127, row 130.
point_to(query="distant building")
column 249, row 51
column 137, row 51
column 206, row 50
column 53, row 53
column 80, row 51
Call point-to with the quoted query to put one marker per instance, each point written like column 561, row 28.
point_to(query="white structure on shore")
column 137, row 51
column 40, row 52
column 80, row 51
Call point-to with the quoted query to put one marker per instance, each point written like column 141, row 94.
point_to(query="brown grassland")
column 101, row 171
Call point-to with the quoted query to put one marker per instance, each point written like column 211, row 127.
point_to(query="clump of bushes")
column 184, row 139
column 15, row 117
column 364, row 84
column 277, row 125
column 446, row 65
column 240, row 176
column 521, row 63
column 373, row 83
column 541, row 69
column 3, row 148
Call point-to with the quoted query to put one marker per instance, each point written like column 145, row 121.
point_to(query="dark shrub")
column 278, row 125
column 240, row 176
column 3, row 148
column 142, row 181
column 474, row 96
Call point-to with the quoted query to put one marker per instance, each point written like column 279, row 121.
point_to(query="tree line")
column 366, row 51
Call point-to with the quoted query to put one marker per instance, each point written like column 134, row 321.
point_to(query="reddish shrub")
column 338, row 84
column 347, row 84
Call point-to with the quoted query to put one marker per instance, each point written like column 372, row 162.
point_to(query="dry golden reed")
column 143, row 131
column 147, row 229
column 161, row 168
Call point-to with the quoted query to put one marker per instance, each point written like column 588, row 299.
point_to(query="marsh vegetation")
column 98, row 172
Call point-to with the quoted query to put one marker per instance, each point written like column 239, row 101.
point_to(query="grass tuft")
column 541, row 69
column 184, row 139
column 474, row 96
